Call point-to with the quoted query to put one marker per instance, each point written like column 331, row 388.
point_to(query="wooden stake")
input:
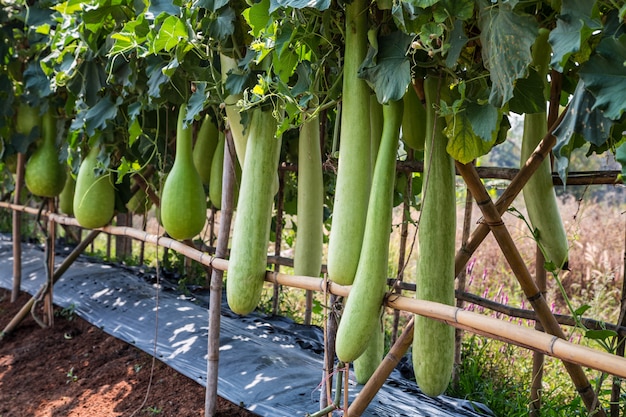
column 460, row 286
column 532, row 292
column 17, row 230
column 48, row 303
column 215, row 297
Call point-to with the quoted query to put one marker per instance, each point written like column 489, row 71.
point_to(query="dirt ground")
column 75, row 370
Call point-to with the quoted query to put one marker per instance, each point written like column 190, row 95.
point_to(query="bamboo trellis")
column 574, row 356
column 454, row 316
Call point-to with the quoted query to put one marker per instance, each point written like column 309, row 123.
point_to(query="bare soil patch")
column 74, row 369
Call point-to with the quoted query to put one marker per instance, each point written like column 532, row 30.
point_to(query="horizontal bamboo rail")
column 457, row 317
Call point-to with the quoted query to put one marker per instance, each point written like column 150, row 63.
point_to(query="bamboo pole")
column 378, row 378
column 17, row 230
column 536, row 385
column 69, row 260
column 532, row 292
column 404, row 234
column 278, row 232
column 616, row 387
column 460, row 286
column 50, row 247
column 215, row 296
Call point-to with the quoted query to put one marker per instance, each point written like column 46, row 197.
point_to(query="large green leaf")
column 582, row 121
column 464, row 145
column 620, row 156
column 575, row 24
column 528, row 95
column 484, row 119
column 506, row 37
column 299, row 4
column 605, row 76
column 458, row 39
column 387, row 70
column 453, row 9
column 257, row 16
column 172, row 32
column 97, row 116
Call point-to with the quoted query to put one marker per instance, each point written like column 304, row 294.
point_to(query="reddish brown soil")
column 74, row 369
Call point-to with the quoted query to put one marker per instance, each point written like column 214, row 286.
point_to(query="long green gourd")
column 363, row 309
column 354, row 166
column 44, row 174
column 217, row 170
column 433, row 341
column 309, row 238
column 365, row 365
column 413, row 121
column 183, row 200
column 204, row 148
column 94, row 195
column 66, row 198
column 248, row 258
column 539, row 195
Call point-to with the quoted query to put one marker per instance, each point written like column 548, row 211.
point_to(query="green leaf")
column 605, row 76
column 134, row 132
column 458, row 39
column 97, row 116
column 387, row 70
column 451, row 9
column 162, row 6
column 299, row 4
column 463, row 144
column 423, row 3
column 172, row 32
column 257, row 16
column 575, row 24
column 581, row 121
column 221, row 25
column 212, row 5
column 195, row 105
column 600, row 334
column 484, row 119
column 528, row 95
column 156, row 76
column 506, row 38
column 581, row 310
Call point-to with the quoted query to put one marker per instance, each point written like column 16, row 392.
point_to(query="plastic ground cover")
column 272, row 366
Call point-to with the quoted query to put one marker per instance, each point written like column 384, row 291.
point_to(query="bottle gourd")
column 94, row 196
column 44, row 174
column 183, row 200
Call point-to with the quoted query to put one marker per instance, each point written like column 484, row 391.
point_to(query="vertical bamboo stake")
column 532, row 292
column 538, row 357
column 460, row 286
column 17, row 229
column 215, row 296
column 329, row 351
column 404, row 233
column 48, row 296
column 279, row 232
column 616, row 388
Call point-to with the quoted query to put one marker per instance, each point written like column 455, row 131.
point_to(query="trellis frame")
column 553, row 346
